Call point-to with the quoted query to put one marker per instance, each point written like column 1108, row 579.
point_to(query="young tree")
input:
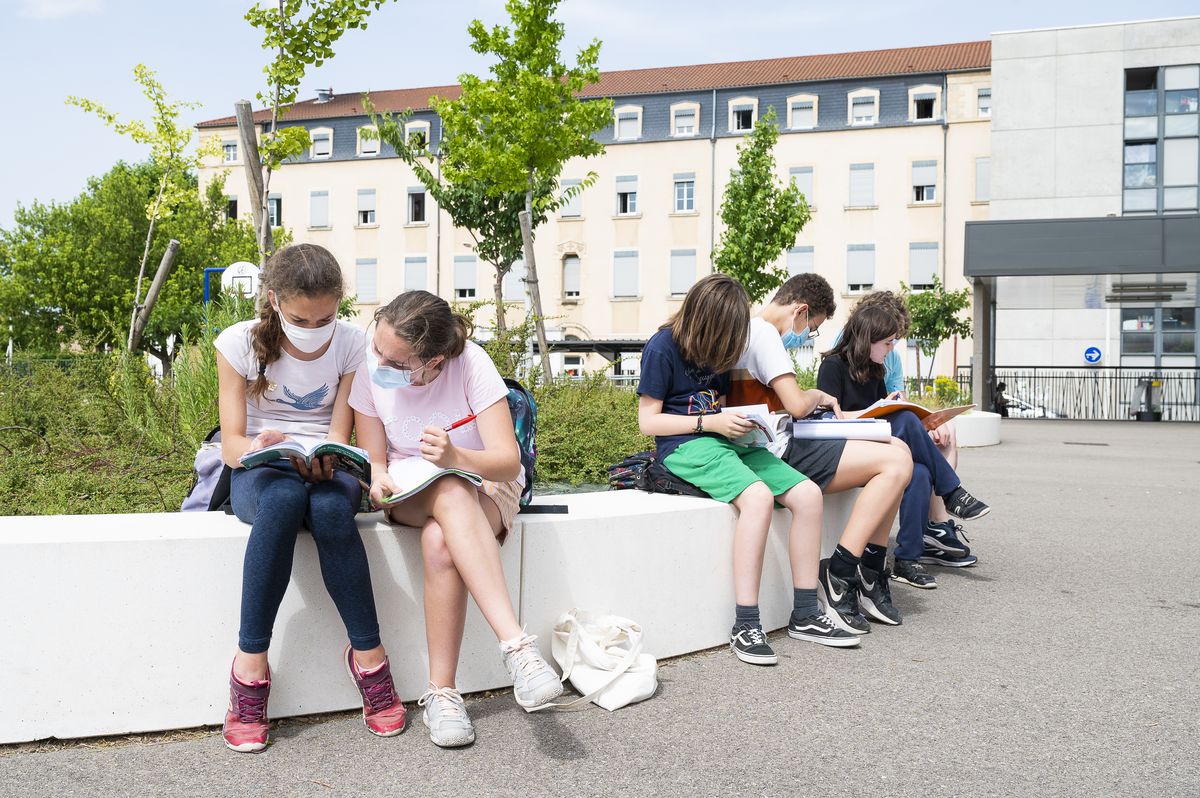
column 935, row 319
column 514, row 131
column 168, row 142
column 302, row 33
column 761, row 217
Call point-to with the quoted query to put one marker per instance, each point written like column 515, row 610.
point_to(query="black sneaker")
column 840, row 597
column 875, row 596
column 911, row 572
column 963, row 505
column 935, row 557
column 750, row 645
column 944, row 537
column 819, row 629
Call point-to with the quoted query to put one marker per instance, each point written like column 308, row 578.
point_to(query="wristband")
column 699, row 424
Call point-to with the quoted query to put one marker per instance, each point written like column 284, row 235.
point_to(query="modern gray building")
column 1087, row 267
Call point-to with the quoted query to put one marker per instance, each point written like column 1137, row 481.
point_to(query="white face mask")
column 306, row 339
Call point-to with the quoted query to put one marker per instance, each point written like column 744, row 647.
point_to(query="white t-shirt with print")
column 300, row 393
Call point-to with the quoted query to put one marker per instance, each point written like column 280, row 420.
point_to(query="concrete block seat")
column 115, row 624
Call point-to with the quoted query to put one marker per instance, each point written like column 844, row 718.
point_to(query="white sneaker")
column 446, row 717
column 534, row 681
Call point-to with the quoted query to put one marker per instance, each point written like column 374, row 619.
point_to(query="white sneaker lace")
column 524, row 655
column 453, row 700
column 753, row 635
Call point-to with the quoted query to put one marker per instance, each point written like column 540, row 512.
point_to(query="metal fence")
column 1098, row 393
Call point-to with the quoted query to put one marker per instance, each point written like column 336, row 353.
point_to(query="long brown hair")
column 713, row 324
column 867, row 324
column 427, row 324
column 893, row 302
column 300, row 269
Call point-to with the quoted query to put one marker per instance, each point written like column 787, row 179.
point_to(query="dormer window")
column 863, row 107
column 924, row 103
column 802, row 112
column 743, row 113
column 416, row 135
column 627, row 123
column 685, row 119
column 367, row 147
column 322, row 143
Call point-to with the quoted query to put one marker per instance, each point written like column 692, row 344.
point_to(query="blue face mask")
column 386, row 376
column 794, row 340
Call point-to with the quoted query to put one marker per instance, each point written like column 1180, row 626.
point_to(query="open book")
column 414, row 474
column 767, row 425
column 860, row 429
column 932, row 419
column 351, row 459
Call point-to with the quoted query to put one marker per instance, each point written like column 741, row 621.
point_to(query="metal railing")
column 1097, row 392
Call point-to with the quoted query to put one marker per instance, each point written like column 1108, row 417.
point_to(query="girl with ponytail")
column 287, row 375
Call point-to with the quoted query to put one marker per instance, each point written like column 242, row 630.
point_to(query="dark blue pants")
column 931, row 474
column 277, row 502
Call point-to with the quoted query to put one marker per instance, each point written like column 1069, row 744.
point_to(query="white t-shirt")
column 300, row 393
column 468, row 384
column 765, row 359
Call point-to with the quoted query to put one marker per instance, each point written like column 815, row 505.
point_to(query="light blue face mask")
column 794, row 340
column 386, row 376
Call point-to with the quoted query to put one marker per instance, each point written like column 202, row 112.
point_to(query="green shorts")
column 723, row 469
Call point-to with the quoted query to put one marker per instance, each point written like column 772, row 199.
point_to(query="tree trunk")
column 531, row 285
column 160, row 278
column 254, row 177
column 498, row 288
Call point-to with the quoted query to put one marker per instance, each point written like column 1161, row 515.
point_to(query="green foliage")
column 68, row 272
column 943, row 392
column 935, row 318
column 806, row 377
column 761, row 217
column 585, row 426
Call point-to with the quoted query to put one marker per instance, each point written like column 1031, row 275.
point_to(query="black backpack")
column 642, row 471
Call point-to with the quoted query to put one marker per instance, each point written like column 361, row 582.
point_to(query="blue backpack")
column 524, row 414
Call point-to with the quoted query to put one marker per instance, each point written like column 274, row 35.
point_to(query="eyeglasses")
column 814, row 334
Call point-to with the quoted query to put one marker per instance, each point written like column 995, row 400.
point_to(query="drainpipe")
column 712, row 187
column 945, row 169
column 437, row 237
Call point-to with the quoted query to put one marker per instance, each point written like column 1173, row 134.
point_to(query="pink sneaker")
column 383, row 712
column 246, row 728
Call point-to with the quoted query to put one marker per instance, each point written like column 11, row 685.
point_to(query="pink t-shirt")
column 467, row 384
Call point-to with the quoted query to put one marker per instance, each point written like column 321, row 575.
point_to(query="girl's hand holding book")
column 268, row 437
column 437, row 448
column 321, row 471
column 730, row 425
column 381, row 487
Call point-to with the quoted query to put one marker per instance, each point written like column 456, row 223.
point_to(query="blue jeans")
column 931, row 474
column 277, row 502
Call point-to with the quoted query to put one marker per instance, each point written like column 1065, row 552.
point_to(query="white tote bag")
column 602, row 657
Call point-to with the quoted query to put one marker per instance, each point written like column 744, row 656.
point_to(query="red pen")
column 460, row 422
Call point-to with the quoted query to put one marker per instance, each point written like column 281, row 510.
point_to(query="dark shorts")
column 816, row 459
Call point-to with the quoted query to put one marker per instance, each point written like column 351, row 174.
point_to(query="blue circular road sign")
column 1092, row 354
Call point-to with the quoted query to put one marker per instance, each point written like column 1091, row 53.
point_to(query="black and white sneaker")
column 944, row 537
column 819, row 629
column 935, row 557
column 840, row 598
column 962, row 504
column 911, row 572
column 749, row 644
column 875, row 596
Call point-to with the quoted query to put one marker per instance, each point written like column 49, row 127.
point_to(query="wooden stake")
column 160, row 277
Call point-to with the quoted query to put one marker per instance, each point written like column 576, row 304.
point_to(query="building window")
column 513, row 286
column 627, row 122
column 802, row 112
column 318, row 209
column 924, row 177
column 416, row 269
column 322, row 143
column 922, row 265
column 464, row 277
column 416, row 205
column 1180, row 174
column 625, row 274
column 627, row 188
column 1161, row 164
column 799, row 261
column 802, row 178
column 983, row 179
column 862, row 185
column 365, row 282
column 1141, row 177
column 685, row 192
column 1181, row 96
column 572, row 206
column 229, row 150
column 231, row 209
column 923, row 103
column 860, row 268
column 1158, row 331
column 685, row 117
column 743, row 113
column 864, row 107
column 983, row 103
column 366, row 206
column 367, row 147
column 1141, row 103
column 683, row 271
column 275, row 210
column 416, row 134
column 571, row 279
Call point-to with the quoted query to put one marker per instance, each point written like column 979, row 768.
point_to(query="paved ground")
column 1065, row 664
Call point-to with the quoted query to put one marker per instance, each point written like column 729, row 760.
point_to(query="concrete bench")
column 127, row 623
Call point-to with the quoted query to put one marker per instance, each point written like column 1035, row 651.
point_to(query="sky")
column 204, row 51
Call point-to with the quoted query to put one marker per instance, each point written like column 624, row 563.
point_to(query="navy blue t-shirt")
column 685, row 390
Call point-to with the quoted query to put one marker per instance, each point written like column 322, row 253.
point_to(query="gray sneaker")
column 446, row 717
column 534, row 681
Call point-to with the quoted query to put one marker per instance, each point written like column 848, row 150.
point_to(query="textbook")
column 859, row 429
column 414, row 474
column 932, row 419
column 767, row 425
column 351, row 459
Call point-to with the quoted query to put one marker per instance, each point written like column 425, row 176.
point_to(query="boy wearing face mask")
column 854, row 580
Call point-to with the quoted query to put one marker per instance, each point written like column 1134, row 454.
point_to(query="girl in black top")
column 853, row 372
